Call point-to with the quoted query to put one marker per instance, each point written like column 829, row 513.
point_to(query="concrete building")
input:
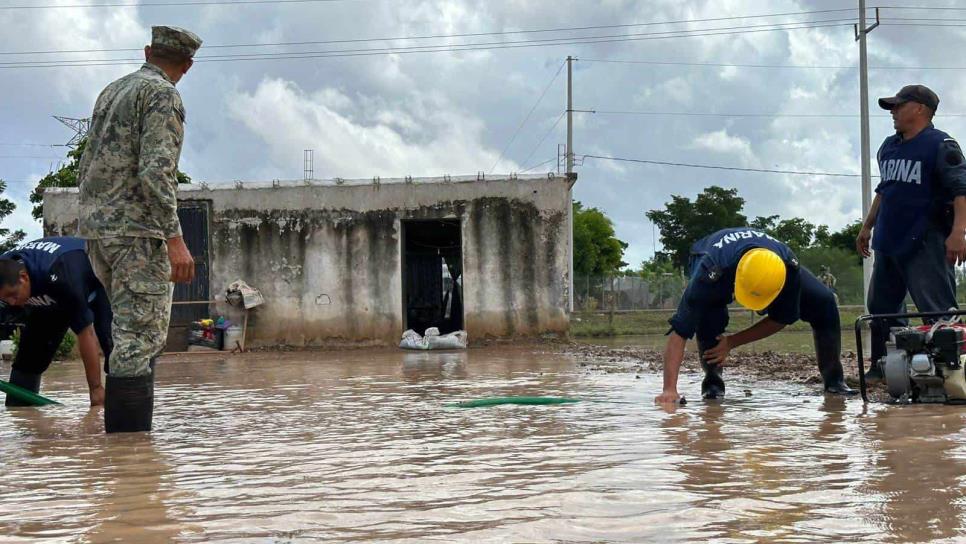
column 350, row 262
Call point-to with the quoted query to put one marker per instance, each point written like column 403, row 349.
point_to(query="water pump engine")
column 925, row 364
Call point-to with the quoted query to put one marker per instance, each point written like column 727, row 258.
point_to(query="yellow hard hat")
column 760, row 277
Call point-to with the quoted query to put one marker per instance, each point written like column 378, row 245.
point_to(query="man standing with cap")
column 129, row 216
column 918, row 216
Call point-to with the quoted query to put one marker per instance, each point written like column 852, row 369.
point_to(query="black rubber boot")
column 874, row 374
column 128, row 404
column 879, row 333
column 828, row 351
column 712, row 386
column 30, row 382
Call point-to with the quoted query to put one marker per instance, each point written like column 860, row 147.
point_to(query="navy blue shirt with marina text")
column 61, row 277
column 714, row 264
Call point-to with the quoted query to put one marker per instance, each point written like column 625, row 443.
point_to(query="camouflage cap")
column 175, row 39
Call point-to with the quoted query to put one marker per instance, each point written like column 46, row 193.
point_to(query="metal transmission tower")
column 79, row 126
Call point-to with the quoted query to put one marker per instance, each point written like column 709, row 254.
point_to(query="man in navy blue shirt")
column 918, row 216
column 763, row 275
column 52, row 280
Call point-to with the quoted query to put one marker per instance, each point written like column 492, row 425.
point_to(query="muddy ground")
column 797, row 368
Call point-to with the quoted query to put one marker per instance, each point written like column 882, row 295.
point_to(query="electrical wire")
column 716, row 167
column 738, row 65
column 546, row 134
column 527, row 118
column 425, row 49
column 749, row 115
column 446, row 36
column 167, row 4
column 538, row 165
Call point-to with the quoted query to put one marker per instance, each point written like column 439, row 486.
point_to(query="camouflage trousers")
column 136, row 273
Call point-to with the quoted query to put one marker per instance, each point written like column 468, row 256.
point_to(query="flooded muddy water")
column 358, row 446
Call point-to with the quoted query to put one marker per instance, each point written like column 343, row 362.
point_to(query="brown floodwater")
column 358, row 446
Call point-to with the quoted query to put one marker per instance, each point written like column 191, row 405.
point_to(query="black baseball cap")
column 911, row 93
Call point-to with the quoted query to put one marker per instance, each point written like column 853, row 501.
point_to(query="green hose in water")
column 24, row 395
column 497, row 401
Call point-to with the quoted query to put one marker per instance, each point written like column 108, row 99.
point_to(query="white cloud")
column 425, row 114
column 353, row 144
column 720, row 141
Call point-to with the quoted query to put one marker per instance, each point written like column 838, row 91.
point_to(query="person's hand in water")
column 670, row 397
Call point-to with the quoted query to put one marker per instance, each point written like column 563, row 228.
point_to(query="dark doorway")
column 433, row 275
column 195, row 230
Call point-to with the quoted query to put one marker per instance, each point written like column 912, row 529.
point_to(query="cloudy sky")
column 779, row 99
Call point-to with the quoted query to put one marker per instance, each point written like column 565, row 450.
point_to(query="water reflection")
column 916, row 473
column 359, row 446
column 105, row 488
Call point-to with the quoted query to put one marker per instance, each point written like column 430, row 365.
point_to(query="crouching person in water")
column 53, row 281
column 763, row 275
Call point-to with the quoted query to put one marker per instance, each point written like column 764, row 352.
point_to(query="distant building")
column 349, row 262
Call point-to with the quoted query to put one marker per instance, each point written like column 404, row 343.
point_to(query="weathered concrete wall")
column 328, row 257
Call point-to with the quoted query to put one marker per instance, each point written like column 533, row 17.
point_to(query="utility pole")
column 570, row 116
column 860, row 35
column 571, row 177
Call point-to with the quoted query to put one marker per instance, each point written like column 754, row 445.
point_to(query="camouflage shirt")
column 128, row 173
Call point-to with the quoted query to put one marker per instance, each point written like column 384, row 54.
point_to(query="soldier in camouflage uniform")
column 829, row 280
column 128, row 198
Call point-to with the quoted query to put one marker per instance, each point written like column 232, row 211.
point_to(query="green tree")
column 683, row 222
column 796, row 232
column 664, row 279
column 655, row 267
column 597, row 251
column 8, row 239
column 66, row 176
column 842, row 239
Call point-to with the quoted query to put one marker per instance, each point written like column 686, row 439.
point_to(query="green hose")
column 24, row 395
column 497, row 401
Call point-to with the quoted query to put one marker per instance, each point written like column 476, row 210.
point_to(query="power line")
column 539, row 143
column 751, row 115
column 446, row 36
column 714, row 64
column 538, row 165
column 933, row 25
column 739, row 65
column 527, row 118
column 715, row 167
column 669, row 33
column 420, row 49
column 258, row 2
column 927, row 19
column 10, row 144
column 931, row 8
column 168, row 4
